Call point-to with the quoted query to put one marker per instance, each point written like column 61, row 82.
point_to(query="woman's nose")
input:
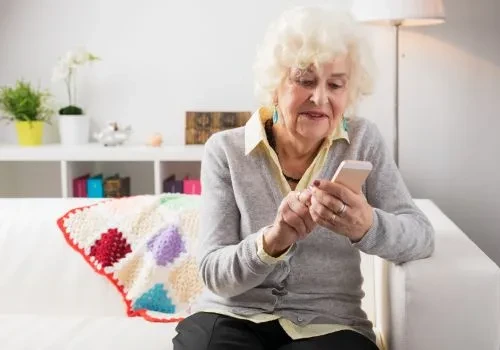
column 319, row 96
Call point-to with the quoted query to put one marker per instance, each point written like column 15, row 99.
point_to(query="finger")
column 329, row 201
column 294, row 221
column 310, row 224
column 337, row 190
column 320, row 220
column 308, row 220
column 292, row 218
column 321, row 210
column 283, row 222
column 301, row 210
column 350, row 219
column 282, row 209
column 331, row 220
column 296, row 203
column 305, row 197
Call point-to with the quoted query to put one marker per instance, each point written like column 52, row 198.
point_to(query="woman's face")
column 312, row 101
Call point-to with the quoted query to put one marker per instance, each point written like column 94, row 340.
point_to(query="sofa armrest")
column 448, row 301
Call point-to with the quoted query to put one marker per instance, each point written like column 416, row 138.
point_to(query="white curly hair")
column 304, row 36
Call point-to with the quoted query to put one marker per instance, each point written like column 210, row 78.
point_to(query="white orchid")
column 60, row 72
column 66, row 69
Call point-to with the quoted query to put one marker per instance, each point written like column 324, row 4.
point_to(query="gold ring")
column 333, row 218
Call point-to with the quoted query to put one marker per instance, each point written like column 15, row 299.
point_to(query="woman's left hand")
column 341, row 210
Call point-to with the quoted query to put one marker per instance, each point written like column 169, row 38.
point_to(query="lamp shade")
column 402, row 12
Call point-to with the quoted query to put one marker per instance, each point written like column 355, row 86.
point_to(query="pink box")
column 192, row 186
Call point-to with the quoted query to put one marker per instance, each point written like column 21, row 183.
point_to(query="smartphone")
column 352, row 174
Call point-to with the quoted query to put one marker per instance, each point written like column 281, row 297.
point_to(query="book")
column 95, row 188
column 192, row 186
column 80, row 186
column 171, row 185
column 116, row 186
column 201, row 125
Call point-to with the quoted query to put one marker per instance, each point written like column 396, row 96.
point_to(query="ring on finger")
column 342, row 210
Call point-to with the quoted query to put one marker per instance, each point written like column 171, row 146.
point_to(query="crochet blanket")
column 144, row 245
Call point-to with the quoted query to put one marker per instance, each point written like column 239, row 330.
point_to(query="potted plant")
column 29, row 108
column 74, row 124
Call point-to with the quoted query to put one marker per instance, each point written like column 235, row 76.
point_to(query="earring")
column 344, row 124
column 275, row 115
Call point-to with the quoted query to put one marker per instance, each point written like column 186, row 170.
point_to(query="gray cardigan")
column 320, row 279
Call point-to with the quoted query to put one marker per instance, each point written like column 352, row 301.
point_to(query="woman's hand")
column 293, row 222
column 341, row 210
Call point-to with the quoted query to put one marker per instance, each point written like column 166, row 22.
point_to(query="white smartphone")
column 352, row 174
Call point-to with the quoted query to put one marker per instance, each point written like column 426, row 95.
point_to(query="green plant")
column 23, row 102
column 66, row 70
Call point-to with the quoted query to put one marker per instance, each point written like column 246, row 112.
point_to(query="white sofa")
column 51, row 299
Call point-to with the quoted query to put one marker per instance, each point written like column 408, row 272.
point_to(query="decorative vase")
column 29, row 133
column 74, row 129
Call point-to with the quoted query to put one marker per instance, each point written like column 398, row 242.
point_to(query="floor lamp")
column 398, row 13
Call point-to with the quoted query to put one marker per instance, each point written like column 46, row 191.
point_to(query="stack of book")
column 98, row 186
column 186, row 185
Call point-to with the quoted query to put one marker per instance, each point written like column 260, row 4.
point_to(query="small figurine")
column 113, row 135
column 155, row 140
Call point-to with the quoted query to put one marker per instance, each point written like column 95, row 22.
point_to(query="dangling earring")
column 275, row 115
column 344, row 124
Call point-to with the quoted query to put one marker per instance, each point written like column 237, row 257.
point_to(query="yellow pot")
column 29, row 133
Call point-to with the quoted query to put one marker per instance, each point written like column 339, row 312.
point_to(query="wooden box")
column 201, row 125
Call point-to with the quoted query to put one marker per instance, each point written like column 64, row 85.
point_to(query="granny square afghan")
column 144, row 245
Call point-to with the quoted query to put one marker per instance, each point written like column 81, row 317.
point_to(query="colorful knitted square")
column 145, row 246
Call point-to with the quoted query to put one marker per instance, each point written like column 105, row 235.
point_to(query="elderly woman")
column 280, row 242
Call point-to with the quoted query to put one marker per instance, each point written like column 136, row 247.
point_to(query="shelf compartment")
column 181, row 170
column 141, row 174
column 35, row 179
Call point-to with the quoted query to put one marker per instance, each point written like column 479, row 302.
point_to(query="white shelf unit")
column 48, row 170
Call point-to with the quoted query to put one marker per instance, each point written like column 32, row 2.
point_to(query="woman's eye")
column 307, row 83
column 336, row 86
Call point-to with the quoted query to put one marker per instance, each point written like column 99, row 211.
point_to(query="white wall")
column 450, row 117
column 160, row 58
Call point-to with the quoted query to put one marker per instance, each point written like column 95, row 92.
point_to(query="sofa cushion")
column 39, row 273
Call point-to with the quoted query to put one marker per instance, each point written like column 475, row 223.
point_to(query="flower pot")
column 29, row 133
column 74, row 129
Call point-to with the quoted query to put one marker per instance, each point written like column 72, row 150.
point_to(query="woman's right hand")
column 293, row 222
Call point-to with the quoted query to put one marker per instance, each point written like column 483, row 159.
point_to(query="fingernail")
column 316, row 183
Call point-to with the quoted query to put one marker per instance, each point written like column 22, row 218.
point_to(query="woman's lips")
column 314, row 115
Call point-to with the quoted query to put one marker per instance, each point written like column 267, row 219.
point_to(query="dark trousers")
column 208, row 331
